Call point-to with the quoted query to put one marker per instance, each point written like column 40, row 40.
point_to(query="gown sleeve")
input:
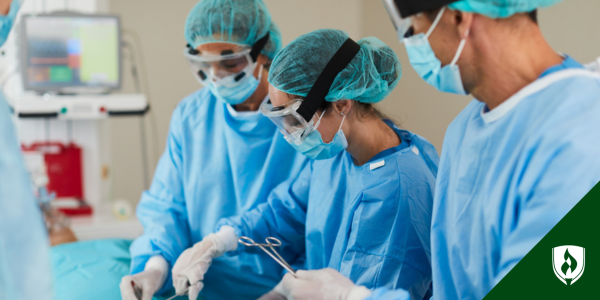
column 162, row 210
column 283, row 216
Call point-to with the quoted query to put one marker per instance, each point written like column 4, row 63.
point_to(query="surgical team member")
column 363, row 205
column 515, row 160
column 222, row 157
column 24, row 247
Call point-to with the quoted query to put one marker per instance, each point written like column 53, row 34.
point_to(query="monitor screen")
column 62, row 52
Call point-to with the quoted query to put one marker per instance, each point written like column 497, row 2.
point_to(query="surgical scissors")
column 270, row 242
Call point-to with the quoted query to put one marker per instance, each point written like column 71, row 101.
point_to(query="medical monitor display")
column 77, row 52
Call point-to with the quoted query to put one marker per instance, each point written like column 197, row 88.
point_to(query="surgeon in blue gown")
column 363, row 205
column 24, row 247
column 222, row 156
column 514, row 162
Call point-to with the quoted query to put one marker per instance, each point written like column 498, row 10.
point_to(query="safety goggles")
column 403, row 26
column 291, row 124
column 215, row 67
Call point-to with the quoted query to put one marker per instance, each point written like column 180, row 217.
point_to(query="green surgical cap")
column 371, row 75
column 497, row 9
column 241, row 22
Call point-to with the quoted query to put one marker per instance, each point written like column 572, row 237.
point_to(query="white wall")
column 571, row 27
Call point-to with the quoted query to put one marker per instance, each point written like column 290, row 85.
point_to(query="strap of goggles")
column 259, row 46
column 408, row 8
column 320, row 89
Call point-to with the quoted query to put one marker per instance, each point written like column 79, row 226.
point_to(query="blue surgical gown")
column 217, row 163
column 510, row 175
column 369, row 222
column 24, row 245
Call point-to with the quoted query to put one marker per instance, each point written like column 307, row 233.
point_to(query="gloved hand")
column 193, row 263
column 326, row 284
column 150, row 280
column 275, row 294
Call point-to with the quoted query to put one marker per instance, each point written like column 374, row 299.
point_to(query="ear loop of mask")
column 461, row 46
column 435, row 22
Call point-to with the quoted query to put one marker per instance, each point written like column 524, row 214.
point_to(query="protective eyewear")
column 205, row 67
column 215, row 67
column 291, row 124
column 404, row 26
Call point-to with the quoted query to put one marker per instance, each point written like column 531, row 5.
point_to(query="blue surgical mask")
column 314, row 147
column 231, row 92
column 7, row 22
column 429, row 67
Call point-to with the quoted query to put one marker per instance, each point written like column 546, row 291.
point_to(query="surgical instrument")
column 270, row 242
column 136, row 290
column 180, row 294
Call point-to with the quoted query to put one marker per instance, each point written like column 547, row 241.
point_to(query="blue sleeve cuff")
column 384, row 293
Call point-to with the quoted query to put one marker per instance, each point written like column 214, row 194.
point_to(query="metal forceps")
column 270, row 242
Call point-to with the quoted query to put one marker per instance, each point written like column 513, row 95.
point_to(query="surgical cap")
column 500, row 8
column 241, row 22
column 371, row 75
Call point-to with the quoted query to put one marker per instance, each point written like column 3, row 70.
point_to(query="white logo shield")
column 568, row 263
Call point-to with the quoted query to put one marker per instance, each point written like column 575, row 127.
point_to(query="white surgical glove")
column 275, row 294
column 193, row 263
column 149, row 281
column 324, row 284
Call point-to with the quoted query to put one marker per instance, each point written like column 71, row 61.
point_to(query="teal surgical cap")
column 500, row 8
column 371, row 75
column 241, row 22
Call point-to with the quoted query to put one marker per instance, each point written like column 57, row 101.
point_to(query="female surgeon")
column 222, row 156
column 363, row 204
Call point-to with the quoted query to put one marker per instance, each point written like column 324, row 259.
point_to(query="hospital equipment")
column 270, row 243
column 69, row 52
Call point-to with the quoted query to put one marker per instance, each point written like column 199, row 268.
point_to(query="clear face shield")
column 291, row 124
column 233, row 67
column 403, row 26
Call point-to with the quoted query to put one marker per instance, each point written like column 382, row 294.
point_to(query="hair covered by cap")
column 500, row 8
column 241, row 22
column 371, row 75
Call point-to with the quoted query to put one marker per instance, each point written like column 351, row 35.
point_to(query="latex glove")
column 193, row 263
column 326, row 284
column 275, row 294
column 150, row 280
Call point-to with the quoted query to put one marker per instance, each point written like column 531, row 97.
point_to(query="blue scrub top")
column 217, row 163
column 370, row 222
column 508, row 176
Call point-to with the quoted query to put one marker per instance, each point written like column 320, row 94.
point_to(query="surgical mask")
column 429, row 67
column 7, row 22
column 233, row 92
column 314, row 147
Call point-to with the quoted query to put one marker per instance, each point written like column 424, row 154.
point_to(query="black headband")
column 408, row 8
column 320, row 89
column 256, row 48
